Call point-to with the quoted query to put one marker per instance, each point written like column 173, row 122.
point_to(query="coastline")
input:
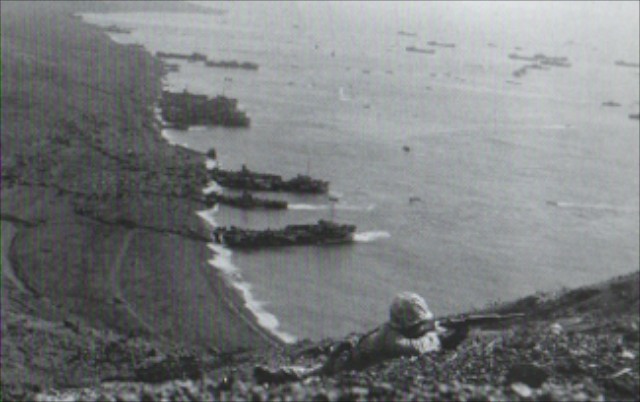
column 145, row 214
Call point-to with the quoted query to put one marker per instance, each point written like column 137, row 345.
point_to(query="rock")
column 556, row 328
column 521, row 389
column 321, row 397
column 527, row 373
column 627, row 355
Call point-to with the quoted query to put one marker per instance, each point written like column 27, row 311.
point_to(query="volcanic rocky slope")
column 101, row 246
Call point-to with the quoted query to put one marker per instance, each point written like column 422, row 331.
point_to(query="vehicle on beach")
column 245, row 179
column 322, row 233
column 245, row 201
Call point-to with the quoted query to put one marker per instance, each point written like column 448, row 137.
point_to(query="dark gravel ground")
column 582, row 356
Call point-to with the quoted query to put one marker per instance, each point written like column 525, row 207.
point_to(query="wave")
column 211, row 163
column 222, row 261
column 213, row 187
column 599, row 207
column 368, row 237
column 324, row 207
column 343, row 97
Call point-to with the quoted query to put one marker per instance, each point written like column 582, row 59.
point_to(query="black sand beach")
column 103, row 208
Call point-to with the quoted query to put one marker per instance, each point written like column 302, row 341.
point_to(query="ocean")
column 518, row 184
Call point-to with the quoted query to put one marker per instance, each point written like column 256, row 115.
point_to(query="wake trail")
column 324, row 207
column 368, row 237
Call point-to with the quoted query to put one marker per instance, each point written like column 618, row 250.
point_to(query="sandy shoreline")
column 108, row 192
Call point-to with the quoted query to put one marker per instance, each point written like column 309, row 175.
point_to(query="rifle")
column 477, row 320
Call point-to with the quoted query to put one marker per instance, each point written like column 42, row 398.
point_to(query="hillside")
column 104, row 275
column 580, row 344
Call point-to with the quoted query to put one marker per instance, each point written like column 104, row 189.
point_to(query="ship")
column 183, row 109
column 245, row 201
column 117, row 29
column 634, row 116
column 246, row 179
column 195, row 56
column 611, row 104
column 247, row 65
column 440, row 44
column 623, row 63
column 322, row 233
column 414, row 49
column 543, row 59
column 405, row 33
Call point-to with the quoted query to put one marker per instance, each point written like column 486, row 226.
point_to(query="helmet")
column 407, row 310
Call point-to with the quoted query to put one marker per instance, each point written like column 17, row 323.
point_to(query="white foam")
column 213, row 187
column 368, row 237
column 208, row 215
column 343, row 97
column 211, row 163
column 306, row 207
column 222, row 262
column 323, row 207
column 600, row 207
column 165, row 134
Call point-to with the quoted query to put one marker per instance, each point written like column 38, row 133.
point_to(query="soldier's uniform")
column 410, row 331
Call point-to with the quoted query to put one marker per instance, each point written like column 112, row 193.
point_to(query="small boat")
column 322, row 233
column 414, row 49
column 406, row 148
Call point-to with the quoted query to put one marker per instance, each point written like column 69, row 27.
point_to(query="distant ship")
column 438, row 44
column 634, row 116
column 195, row 56
column 117, row 29
column 247, row 65
column 623, row 63
column 405, row 33
column 414, row 49
column 611, row 104
column 321, row 233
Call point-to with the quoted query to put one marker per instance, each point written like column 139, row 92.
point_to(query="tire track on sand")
column 115, row 283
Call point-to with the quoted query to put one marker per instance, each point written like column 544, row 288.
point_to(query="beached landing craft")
column 182, row 109
column 245, row 201
column 253, row 181
column 321, row 233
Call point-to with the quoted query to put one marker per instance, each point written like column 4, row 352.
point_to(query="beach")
column 112, row 290
column 105, row 209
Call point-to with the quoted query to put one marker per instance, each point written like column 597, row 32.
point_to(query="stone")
column 527, row 373
column 521, row 389
column 556, row 328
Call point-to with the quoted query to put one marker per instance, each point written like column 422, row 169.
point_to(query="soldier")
column 410, row 331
